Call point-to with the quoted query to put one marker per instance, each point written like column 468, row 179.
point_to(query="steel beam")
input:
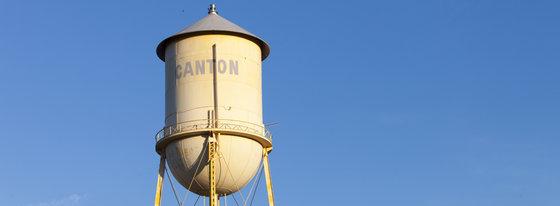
column 267, row 175
column 161, row 175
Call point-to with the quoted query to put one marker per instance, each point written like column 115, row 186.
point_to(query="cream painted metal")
column 189, row 98
column 197, row 90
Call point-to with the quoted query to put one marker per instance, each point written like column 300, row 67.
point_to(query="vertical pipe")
column 212, row 143
column 268, row 178
column 159, row 185
column 215, row 80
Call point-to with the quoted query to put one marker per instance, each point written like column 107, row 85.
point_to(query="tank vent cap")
column 212, row 9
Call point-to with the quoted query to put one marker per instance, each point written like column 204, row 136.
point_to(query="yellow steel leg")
column 212, row 170
column 268, row 178
column 159, row 185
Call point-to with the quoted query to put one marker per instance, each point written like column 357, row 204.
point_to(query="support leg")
column 268, row 178
column 212, row 158
column 159, row 185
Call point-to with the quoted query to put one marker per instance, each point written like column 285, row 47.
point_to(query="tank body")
column 189, row 102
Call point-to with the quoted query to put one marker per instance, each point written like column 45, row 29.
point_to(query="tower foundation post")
column 161, row 175
column 266, row 164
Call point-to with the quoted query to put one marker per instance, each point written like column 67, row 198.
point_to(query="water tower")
column 214, row 140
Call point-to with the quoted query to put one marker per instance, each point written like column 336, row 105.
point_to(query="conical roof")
column 213, row 24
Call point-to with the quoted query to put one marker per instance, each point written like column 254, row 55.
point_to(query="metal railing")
column 207, row 124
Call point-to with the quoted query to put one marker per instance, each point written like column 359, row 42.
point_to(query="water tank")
column 190, row 87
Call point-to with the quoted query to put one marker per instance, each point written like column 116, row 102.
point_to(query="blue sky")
column 426, row 103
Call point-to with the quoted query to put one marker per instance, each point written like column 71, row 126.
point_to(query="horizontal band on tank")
column 204, row 126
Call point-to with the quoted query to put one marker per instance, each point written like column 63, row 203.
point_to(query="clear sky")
column 394, row 103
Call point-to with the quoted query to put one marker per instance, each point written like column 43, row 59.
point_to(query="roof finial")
column 212, row 9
